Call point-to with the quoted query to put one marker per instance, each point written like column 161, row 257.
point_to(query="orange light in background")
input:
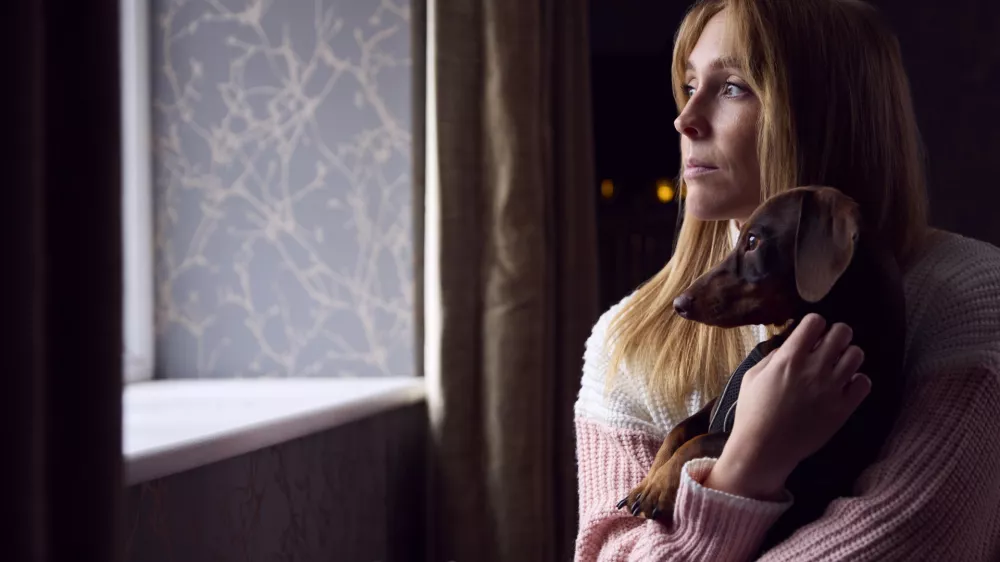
column 665, row 191
column 607, row 189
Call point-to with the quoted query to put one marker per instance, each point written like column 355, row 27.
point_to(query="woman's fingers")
column 848, row 364
column 804, row 337
column 857, row 390
column 832, row 347
column 813, row 352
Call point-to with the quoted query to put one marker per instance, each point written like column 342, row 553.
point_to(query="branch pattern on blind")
column 282, row 188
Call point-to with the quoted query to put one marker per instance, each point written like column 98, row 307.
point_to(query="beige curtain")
column 510, row 258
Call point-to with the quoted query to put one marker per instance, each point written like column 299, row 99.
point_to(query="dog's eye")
column 752, row 242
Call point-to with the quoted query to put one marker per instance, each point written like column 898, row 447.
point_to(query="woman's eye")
column 752, row 242
column 729, row 90
column 734, row 90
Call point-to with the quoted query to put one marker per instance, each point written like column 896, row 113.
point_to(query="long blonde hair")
column 835, row 110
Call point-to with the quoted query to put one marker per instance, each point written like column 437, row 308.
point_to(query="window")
column 267, row 190
column 267, row 223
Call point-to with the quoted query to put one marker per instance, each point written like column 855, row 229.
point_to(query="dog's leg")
column 659, row 497
column 685, row 431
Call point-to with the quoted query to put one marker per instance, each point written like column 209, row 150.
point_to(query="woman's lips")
column 697, row 170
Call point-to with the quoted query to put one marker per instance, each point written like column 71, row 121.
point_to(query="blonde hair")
column 835, row 110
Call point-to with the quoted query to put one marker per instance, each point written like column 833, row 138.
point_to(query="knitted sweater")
column 933, row 494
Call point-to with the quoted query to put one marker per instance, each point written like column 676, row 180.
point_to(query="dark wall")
column 951, row 53
column 636, row 144
column 348, row 494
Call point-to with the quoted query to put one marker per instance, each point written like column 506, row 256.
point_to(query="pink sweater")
column 934, row 494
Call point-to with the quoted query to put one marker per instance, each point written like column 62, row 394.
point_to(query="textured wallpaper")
column 282, row 162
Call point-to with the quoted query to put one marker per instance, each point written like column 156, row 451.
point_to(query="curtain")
column 510, row 280
column 60, row 241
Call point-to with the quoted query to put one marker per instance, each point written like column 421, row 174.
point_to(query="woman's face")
column 718, row 128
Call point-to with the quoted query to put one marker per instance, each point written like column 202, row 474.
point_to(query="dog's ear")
column 824, row 243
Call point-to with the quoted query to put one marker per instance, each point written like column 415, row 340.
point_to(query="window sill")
column 175, row 425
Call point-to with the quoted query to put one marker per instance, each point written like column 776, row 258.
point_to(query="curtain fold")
column 512, row 292
column 60, row 408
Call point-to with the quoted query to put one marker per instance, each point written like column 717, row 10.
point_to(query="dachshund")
column 803, row 251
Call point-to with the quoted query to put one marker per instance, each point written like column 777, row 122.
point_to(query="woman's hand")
column 790, row 405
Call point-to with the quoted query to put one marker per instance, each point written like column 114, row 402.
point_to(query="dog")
column 805, row 250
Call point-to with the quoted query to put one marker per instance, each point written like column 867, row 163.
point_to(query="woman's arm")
column 708, row 524
column 935, row 495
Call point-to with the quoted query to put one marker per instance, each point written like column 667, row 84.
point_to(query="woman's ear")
column 824, row 243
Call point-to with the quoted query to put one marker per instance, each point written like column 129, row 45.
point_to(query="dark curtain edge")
column 62, row 230
column 576, row 310
column 83, row 281
column 418, row 44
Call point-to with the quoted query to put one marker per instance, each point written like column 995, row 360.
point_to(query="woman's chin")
column 702, row 208
column 707, row 211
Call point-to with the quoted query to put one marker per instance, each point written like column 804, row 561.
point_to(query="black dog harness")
column 725, row 409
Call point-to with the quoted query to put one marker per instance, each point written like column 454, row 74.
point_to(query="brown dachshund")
column 802, row 251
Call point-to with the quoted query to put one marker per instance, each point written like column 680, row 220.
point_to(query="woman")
column 774, row 94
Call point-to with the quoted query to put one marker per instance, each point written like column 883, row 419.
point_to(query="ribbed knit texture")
column 934, row 493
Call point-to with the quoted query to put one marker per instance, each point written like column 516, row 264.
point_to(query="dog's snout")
column 683, row 305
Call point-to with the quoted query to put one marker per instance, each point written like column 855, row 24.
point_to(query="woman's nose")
column 690, row 124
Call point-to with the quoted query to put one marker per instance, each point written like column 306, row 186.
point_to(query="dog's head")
column 789, row 254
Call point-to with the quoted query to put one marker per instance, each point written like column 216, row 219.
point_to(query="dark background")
column 952, row 54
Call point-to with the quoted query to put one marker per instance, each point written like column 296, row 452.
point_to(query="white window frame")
column 138, row 327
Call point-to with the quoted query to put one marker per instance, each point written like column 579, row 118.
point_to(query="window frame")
column 138, row 353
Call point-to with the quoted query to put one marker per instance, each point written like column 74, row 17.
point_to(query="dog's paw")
column 654, row 497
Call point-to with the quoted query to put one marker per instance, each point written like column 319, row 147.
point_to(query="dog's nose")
column 683, row 304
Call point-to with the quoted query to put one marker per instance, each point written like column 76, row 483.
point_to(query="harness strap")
column 724, row 412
